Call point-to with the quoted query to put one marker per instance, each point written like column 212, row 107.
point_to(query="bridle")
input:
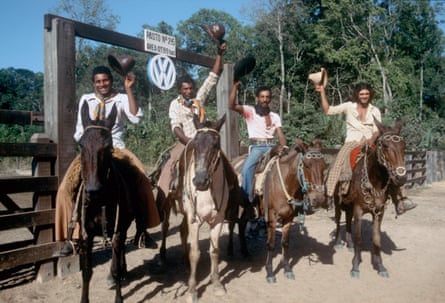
column 368, row 191
column 187, row 188
column 397, row 171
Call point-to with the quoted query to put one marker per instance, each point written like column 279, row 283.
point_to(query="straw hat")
column 120, row 64
column 319, row 78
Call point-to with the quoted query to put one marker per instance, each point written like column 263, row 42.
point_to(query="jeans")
column 248, row 172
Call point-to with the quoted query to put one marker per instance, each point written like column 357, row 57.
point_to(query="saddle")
column 265, row 158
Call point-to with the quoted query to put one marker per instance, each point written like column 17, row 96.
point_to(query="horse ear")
column 300, row 144
column 196, row 121
column 111, row 119
column 379, row 125
column 85, row 115
column 317, row 143
column 220, row 122
column 399, row 124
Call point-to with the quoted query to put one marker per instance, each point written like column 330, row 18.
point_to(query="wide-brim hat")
column 243, row 67
column 216, row 32
column 121, row 64
column 320, row 77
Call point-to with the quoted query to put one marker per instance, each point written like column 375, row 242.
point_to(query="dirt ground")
column 413, row 253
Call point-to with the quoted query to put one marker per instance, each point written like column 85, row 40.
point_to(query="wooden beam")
column 41, row 150
column 21, row 117
column 28, row 219
column 36, row 253
column 12, row 185
column 95, row 33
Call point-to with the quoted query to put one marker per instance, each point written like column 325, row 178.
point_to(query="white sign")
column 160, row 43
column 161, row 72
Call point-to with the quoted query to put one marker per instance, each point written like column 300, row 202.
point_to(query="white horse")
column 202, row 196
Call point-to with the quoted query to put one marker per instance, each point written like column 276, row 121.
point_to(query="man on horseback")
column 181, row 112
column 100, row 102
column 262, row 124
column 360, row 130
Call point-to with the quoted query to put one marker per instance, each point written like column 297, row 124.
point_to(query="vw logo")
column 162, row 72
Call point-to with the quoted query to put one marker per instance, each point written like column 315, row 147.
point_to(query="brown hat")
column 120, row 64
column 319, row 78
column 216, row 31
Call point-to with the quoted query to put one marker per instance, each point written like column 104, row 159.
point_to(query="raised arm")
column 232, row 99
column 324, row 100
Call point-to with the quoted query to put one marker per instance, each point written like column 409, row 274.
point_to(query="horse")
column 373, row 175
column 202, row 196
column 108, row 199
column 292, row 184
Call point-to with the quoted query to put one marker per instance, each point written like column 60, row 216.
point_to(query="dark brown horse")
column 201, row 196
column 293, row 184
column 368, row 192
column 107, row 183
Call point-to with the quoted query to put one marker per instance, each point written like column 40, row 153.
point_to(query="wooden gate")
column 35, row 212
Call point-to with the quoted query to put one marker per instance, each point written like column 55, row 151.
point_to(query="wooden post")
column 60, row 92
column 42, row 202
column 229, row 134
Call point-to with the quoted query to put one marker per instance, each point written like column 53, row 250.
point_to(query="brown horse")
column 293, row 184
column 107, row 184
column 201, row 196
column 368, row 192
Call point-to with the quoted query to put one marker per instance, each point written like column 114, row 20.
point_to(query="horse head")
column 391, row 151
column 96, row 146
column 206, row 149
column 311, row 173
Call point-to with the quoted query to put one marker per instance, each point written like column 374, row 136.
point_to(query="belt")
column 262, row 142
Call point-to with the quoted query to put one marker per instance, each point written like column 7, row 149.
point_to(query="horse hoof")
column 338, row 246
column 111, row 283
column 355, row 274
column 192, row 298
column 289, row 275
column 219, row 290
column 271, row 280
column 384, row 274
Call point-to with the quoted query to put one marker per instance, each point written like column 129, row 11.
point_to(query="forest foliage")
column 395, row 45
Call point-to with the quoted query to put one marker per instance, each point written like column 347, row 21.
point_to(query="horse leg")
column 184, row 231
column 215, row 232
column 285, row 251
column 194, row 255
column 86, row 255
column 337, row 241
column 164, row 227
column 118, row 264
column 348, row 237
column 356, row 260
column 230, row 249
column 242, row 223
column 271, row 226
column 376, row 254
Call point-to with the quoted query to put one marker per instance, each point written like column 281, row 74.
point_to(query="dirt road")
column 413, row 253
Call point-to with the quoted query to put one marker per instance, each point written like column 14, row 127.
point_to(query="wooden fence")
column 36, row 215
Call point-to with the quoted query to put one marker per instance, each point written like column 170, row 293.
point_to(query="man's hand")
column 130, row 80
column 222, row 48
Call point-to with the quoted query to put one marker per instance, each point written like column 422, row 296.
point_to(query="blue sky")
column 21, row 23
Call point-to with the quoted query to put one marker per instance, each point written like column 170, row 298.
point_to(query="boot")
column 404, row 205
